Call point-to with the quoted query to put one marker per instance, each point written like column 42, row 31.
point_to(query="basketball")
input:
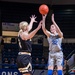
column 43, row 9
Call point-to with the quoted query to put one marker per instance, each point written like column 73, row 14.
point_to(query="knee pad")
column 59, row 72
column 50, row 72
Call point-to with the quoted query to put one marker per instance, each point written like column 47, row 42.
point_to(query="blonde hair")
column 20, row 31
column 23, row 24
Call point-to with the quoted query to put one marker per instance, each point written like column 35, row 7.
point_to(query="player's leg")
column 50, row 70
column 59, row 62
column 50, row 64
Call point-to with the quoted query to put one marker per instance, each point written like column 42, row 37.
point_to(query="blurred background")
column 12, row 12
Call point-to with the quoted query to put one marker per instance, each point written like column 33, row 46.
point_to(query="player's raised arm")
column 33, row 17
column 57, row 27
column 26, row 36
column 47, row 33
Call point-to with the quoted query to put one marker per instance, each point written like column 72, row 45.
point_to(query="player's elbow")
column 61, row 35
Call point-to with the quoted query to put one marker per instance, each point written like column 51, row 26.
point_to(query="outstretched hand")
column 33, row 17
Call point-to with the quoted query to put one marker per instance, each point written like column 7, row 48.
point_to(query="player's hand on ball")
column 44, row 16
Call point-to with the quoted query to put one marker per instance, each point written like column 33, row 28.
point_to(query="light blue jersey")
column 54, row 43
column 55, row 53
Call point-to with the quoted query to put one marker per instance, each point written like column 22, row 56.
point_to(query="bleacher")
column 68, row 49
column 37, row 51
column 10, row 51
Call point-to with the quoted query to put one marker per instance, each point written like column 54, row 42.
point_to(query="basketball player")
column 24, row 55
column 54, row 37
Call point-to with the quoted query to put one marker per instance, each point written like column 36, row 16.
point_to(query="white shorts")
column 55, row 58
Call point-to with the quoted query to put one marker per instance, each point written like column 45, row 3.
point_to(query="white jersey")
column 54, row 43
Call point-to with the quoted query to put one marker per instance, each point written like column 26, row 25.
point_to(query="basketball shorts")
column 24, row 63
column 55, row 58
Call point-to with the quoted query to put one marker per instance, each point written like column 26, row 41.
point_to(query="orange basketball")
column 43, row 9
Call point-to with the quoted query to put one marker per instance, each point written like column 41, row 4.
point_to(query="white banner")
column 10, row 26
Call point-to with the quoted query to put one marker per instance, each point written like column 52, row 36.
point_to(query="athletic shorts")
column 55, row 58
column 24, row 63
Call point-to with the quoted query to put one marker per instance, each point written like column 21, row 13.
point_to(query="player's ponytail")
column 20, row 31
